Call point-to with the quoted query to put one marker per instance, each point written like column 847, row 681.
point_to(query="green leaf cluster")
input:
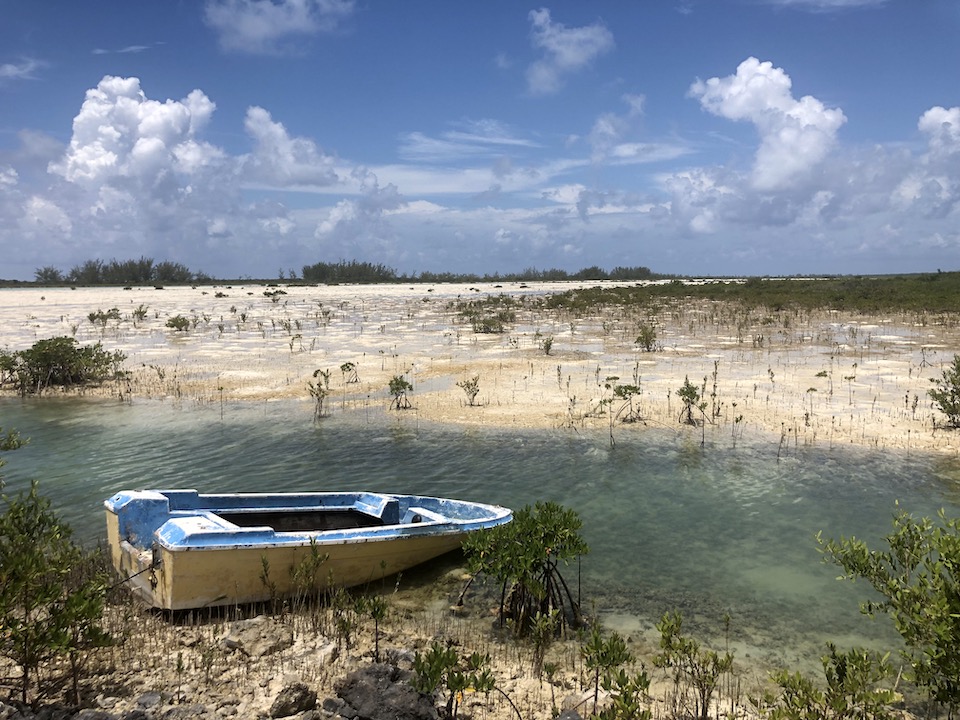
column 702, row 667
column 399, row 386
column 690, row 395
column 442, row 668
column 58, row 361
column 852, row 691
column 946, row 394
column 49, row 608
column 524, row 556
column 918, row 577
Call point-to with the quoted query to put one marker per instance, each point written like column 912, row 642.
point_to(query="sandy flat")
column 800, row 378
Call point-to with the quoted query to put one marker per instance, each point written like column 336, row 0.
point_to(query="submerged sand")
column 807, row 378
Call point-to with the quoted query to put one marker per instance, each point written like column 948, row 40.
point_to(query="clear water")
column 713, row 531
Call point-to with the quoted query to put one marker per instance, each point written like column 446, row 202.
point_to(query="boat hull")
column 185, row 563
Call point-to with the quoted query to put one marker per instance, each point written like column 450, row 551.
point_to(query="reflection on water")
column 714, row 531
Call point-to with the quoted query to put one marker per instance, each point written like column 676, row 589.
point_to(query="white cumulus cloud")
column 795, row 135
column 280, row 160
column 119, row 133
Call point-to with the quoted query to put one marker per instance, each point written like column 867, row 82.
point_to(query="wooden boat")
column 180, row 549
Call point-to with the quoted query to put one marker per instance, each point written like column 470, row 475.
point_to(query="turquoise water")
column 712, row 531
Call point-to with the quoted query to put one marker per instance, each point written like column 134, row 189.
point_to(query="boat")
column 181, row 549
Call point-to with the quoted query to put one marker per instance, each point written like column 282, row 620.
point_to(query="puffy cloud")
column 119, row 133
column 8, row 177
column 565, row 50
column 943, row 128
column 263, row 26
column 279, row 160
column 795, row 135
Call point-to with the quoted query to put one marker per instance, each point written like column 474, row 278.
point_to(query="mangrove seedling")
column 703, row 668
column 524, row 556
column 471, row 388
column 349, row 372
column 946, row 394
column 603, row 656
column 178, row 323
column 442, row 668
column 647, row 339
column 690, row 396
column 319, row 391
column 853, row 690
column 399, row 387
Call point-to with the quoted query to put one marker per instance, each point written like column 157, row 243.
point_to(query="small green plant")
column 140, row 314
column 702, row 668
column 547, row 344
column 689, row 394
column 946, row 394
column 319, row 391
column 399, row 387
column 628, row 695
column 917, row 577
column 524, row 556
column 442, row 668
column 853, row 690
column 100, row 317
column 471, row 388
column 375, row 607
column 178, row 323
column 647, row 339
column 349, row 372
column 602, row 656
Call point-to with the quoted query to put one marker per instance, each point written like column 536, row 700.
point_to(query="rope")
column 151, row 566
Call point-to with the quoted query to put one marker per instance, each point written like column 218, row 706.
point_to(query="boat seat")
column 419, row 515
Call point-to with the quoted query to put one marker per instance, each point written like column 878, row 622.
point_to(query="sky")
column 248, row 138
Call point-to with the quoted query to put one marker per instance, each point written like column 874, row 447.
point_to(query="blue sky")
column 701, row 137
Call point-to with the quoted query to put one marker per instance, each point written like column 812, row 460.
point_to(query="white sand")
column 797, row 378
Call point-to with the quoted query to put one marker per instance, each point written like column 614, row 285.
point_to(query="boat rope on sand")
column 151, row 566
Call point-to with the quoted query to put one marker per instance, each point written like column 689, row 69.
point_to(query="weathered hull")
column 195, row 578
column 185, row 564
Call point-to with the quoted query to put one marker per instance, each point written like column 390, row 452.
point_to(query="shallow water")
column 718, row 532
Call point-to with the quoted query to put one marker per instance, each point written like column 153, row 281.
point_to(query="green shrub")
column 524, row 557
column 852, row 692
column 50, row 607
column 919, row 580
column 946, row 394
column 178, row 323
column 702, row 668
column 58, row 361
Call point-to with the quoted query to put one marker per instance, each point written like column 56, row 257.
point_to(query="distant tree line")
column 147, row 272
column 364, row 272
column 119, row 272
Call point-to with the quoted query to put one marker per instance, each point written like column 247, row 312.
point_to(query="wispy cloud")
column 264, row 26
column 827, row 5
column 23, row 70
column 128, row 50
column 475, row 138
column 565, row 50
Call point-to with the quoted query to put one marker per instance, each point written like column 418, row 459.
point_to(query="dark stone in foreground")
column 293, row 699
column 382, row 692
